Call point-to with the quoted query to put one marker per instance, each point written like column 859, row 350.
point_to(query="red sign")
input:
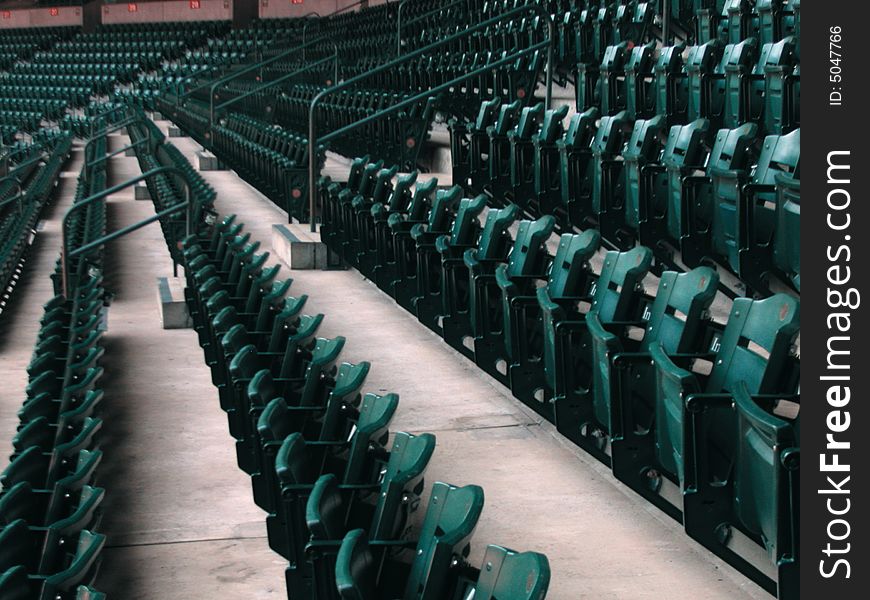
column 132, row 7
column 297, row 1
column 53, row 12
column 7, row 14
column 194, row 4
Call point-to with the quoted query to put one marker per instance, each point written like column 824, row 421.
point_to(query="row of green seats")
column 688, row 191
column 339, row 490
column 698, row 416
column 31, row 176
column 49, row 503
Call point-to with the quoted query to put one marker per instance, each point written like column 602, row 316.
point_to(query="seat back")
column 450, row 520
column 756, row 346
column 510, row 575
column 421, row 201
column 443, row 208
column 355, row 568
column 765, row 461
column 466, row 224
column 80, row 570
column 402, row 484
column 551, row 127
column 529, row 253
column 618, row 289
column 569, row 272
column 581, row 129
column 787, row 230
column 372, row 429
column 494, row 238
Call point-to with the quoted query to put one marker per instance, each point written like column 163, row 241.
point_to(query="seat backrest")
column 764, row 455
column 581, row 129
column 510, row 575
column 618, row 289
column 486, row 114
column 402, row 483
column 356, row 568
column 756, row 346
column 345, row 394
column 731, row 148
column 372, row 428
column 293, row 363
column 569, row 271
column 19, row 502
column 15, row 585
column 421, row 201
column 529, row 121
column 83, row 563
column 466, row 224
column 780, row 154
column 679, row 309
column 685, row 144
column 551, row 127
column 450, row 520
column 529, row 253
column 400, row 197
column 321, row 366
column 507, row 114
column 442, row 209
column 62, row 532
column 608, row 137
column 494, row 238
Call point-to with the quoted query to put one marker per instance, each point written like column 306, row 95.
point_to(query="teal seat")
column 567, row 357
column 509, row 575
column 759, row 500
column 448, row 525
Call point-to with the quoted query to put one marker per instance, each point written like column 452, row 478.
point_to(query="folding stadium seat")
column 498, row 161
column 308, row 385
column 786, row 231
column 754, row 349
column 543, row 168
column 492, row 248
column 363, row 571
column 300, row 462
column 572, row 202
column 533, row 120
column 618, row 206
column 491, row 286
column 569, row 276
column 510, row 575
column 392, row 230
column 657, row 214
column 760, row 498
column 742, row 211
column 332, row 510
column 330, row 422
column 433, row 247
column 439, row 220
column 78, row 567
column 567, row 355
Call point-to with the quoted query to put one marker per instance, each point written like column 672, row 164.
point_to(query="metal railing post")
column 66, row 254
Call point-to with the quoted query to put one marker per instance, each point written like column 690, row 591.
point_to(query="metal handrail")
column 19, row 196
column 107, row 130
column 251, row 68
column 549, row 43
column 399, row 23
column 19, row 166
column 112, row 110
column 66, row 254
column 135, row 144
column 275, row 82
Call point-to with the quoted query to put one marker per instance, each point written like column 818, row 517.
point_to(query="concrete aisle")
column 603, row 542
column 178, row 512
column 19, row 323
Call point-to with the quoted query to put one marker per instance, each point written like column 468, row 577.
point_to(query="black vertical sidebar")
column 835, row 256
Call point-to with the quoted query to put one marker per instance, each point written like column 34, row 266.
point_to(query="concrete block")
column 209, row 162
column 140, row 192
column 175, row 132
column 156, row 116
column 173, row 310
column 298, row 251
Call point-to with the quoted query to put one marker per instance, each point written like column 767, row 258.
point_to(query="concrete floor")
column 179, row 514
